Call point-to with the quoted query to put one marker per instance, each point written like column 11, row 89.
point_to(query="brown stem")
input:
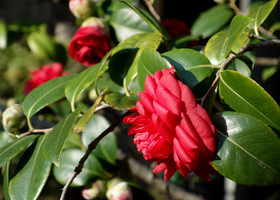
column 152, row 10
column 91, row 147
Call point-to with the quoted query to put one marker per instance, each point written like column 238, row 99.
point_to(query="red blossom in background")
column 42, row 75
column 176, row 27
column 171, row 129
column 89, row 45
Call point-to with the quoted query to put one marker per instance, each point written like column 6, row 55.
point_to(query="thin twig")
column 152, row 10
column 91, row 147
column 230, row 59
column 46, row 130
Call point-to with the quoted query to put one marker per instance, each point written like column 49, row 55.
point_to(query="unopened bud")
column 82, row 9
column 95, row 21
column 98, row 190
column 14, row 120
column 119, row 191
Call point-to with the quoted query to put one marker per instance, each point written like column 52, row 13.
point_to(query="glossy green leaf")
column 191, row 66
column 123, row 63
column 146, row 17
column 243, row 64
column 150, row 61
column 211, row 21
column 248, row 150
column 73, row 141
column 79, row 83
column 215, row 47
column 120, row 101
column 219, row 45
column 244, row 95
column 56, row 138
column 69, row 161
column 6, row 180
column 126, row 23
column 237, row 27
column 45, row 94
column 107, row 147
column 260, row 13
column 3, row 35
column 13, row 148
column 30, row 180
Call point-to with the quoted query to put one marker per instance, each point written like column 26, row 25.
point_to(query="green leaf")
column 120, row 101
column 30, row 180
column 268, row 72
column 70, row 159
column 191, row 66
column 3, row 35
column 83, row 121
column 260, row 13
column 220, row 44
column 13, row 148
column 79, row 83
column 6, row 180
column 45, row 94
column 248, row 150
column 127, row 53
column 43, row 45
column 107, row 147
column 275, row 27
column 211, row 21
column 237, row 27
column 147, row 18
column 5, row 138
column 244, row 95
column 150, row 61
column 126, row 23
column 215, row 47
column 56, row 139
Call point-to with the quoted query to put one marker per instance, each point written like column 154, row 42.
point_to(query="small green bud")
column 14, row 120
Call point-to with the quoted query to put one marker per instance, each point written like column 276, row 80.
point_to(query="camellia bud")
column 82, row 9
column 14, row 120
column 98, row 190
column 95, row 21
column 119, row 190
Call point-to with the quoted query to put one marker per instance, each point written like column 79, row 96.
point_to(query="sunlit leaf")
column 79, row 83
column 45, row 94
column 3, row 35
column 248, row 150
column 244, row 95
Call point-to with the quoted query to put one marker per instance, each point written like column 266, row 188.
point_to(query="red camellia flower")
column 176, row 27
column 171, row 129
column 42, row 75
column 89, row 45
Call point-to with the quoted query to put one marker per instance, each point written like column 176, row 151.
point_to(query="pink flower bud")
column 98, row 190
column 82, row 8
column 119, row 191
